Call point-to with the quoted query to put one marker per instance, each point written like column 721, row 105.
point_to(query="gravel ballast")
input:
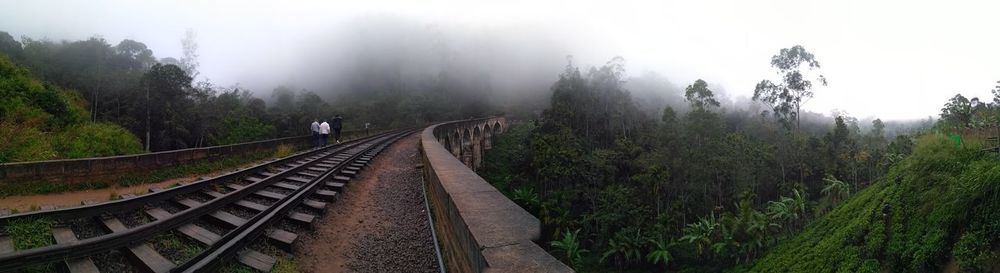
column 379, row 224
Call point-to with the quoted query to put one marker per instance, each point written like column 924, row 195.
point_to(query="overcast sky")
column 888, row 59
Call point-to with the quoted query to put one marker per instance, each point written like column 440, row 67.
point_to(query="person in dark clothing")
column 337, row 125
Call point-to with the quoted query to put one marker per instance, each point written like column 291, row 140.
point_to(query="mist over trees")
column 156, row 100
column 701, row 187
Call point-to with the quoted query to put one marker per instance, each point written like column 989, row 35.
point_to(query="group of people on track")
column 321, row 131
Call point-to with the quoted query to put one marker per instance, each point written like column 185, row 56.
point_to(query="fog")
column 890, row 59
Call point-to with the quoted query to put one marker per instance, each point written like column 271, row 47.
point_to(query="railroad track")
column 221, row 219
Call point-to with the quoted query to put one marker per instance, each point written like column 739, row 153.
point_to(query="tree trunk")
column 147, row 119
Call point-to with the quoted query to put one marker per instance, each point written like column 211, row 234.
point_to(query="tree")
column 570, row 245
column 190, row 47
column 878, row 128
column 786, row 98
column 700, row 96
column 957, row 112
column 701, row 234
column 835, row 189
column 659, row 252
column 10, row 46
column 166, row 88
column 996, row 94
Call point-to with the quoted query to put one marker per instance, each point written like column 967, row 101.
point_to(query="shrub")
column 40, row 121
column 283, row 150
column 96, row 139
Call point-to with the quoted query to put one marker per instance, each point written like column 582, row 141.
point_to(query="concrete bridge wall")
column 479, row 228
column 98, row 168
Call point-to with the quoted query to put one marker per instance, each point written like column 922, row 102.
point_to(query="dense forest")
column 160, row 102
column 155, row 100
column 702, row 188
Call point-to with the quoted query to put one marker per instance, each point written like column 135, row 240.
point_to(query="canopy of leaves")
column 39, row 121
column 786, row 97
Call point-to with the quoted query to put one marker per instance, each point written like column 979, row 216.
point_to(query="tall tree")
column 786, row 98
column 190, row 47
column 700, row 96
column 166, row 88
column 957, row 112
column 10, row 46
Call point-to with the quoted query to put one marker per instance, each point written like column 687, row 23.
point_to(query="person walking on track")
column 324, row 132
column 315, row 131
column 337, row 125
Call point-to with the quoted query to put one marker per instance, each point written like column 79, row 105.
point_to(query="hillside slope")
column 39, row 121
column 943, row 203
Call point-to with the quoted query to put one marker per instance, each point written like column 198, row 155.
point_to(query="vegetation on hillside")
column 160, row 100
column 699, row 189
column 40, row 121
column 941, row 202
column 766, row 189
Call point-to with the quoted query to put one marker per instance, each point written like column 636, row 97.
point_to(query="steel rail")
column 210, row 259
column 156, row 197
column 87, row 247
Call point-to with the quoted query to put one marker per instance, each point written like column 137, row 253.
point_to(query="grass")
column 186, row 248
column 285, row 265
column 30, row 233
column 283, row 150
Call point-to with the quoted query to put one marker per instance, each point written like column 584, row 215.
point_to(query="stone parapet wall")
column 480, row 229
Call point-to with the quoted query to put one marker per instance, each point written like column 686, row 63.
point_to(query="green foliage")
column 30, row 233
column 659, row 252
column 600, row 166
column 39, row 121
column 96, row 139
column 957, row 112
column 835, row 189
column 786, row 98
column 700, row 96
column 239, row 127
column 569, row 245
column 939, row 202
column 527, row 198
column 173, row 243
column 625, row 247
column 285, row 265
column 701, row 233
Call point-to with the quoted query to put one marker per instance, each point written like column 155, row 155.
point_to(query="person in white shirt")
column 315, row 131
column 324, row 132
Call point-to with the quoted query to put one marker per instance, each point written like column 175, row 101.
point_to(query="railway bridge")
column 252, row 215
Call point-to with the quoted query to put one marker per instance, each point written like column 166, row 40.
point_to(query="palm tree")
column 757, row 227
column 700, row 233
column 835, row 189
column 571, row 247
column 782, row 212
column 788, row 210
column 625, row 246
column 726, row 244
column 659, row 253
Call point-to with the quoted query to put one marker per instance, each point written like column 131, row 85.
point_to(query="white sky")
column 889, row 59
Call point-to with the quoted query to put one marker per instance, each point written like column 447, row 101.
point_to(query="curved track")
column 217, row 218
